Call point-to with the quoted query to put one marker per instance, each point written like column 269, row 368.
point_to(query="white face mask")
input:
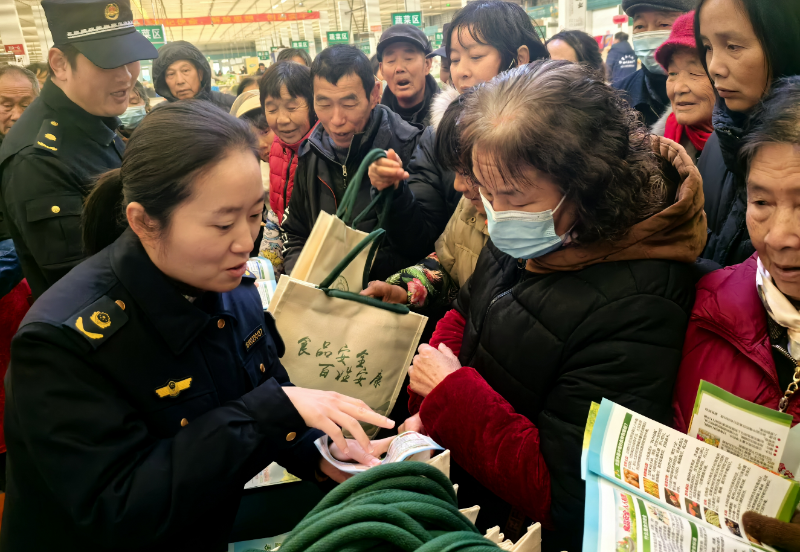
column 645, row 46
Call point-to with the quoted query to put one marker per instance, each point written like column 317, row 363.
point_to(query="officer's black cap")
column 403, row 33
column 101, row 30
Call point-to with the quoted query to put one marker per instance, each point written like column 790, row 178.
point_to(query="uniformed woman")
column 145, row 387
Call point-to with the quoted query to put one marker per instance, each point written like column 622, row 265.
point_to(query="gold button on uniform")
column 262, row 368
column 120, row 304
column 55, row 209
column 290, row 436
column 220, row 323
column 471, row 220
column 184, row 422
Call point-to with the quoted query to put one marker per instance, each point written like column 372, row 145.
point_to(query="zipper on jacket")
column 344, row 166
column 784, row 406
column 495, row 299
column 286, row 184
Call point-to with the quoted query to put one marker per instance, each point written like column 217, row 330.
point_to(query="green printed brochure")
column 650, row 487
column 747, row 430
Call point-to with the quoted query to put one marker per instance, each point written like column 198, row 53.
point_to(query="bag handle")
column 373, row 239
column 346, row 209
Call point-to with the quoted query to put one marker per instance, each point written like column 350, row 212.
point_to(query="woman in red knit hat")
column 691, row 96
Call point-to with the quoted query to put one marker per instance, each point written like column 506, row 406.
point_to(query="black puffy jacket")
column 175, row 51
column 550, row 344
column 723, row 185
column 320, row 179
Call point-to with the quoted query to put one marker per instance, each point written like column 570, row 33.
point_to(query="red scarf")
column 674, row 131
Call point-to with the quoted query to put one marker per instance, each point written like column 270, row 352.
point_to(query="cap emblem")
column 112, row 12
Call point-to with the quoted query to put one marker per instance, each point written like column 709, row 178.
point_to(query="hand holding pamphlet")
column 406, row 446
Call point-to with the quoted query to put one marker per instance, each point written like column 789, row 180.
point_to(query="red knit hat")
column 682, row 35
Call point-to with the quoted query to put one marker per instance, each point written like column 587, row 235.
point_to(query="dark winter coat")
column 319, row 177
column 537, row 348
column 175, row 51
column 646, row 92
column 621, row 62
column 420, row 118
column 723, row 184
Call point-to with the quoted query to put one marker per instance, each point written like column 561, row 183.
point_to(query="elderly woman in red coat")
column 744, row 331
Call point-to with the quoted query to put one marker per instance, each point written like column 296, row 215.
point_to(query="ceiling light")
column 275, row 6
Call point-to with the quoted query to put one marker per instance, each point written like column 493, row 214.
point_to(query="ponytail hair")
column 168, row 151
column 103, row 219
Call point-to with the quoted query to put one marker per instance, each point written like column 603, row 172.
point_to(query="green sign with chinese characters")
column 407, row 18
column 547, row 10
column 275, row 49
column 300, row 44
column 262, row 55
column 364, row 47
column 339, row 37
column 153, row 33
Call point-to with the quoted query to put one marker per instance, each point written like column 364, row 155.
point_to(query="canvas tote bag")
column 344, row 342
column 334, row 236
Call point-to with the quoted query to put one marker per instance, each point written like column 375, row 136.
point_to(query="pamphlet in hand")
column 262, row 269
column 650, row 487
column 747, row 430
column 410, row 445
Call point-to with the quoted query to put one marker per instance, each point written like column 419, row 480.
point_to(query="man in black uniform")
column 66, row 137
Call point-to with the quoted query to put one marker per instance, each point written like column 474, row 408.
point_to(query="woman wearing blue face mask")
column 583, row 292
column 138, row 107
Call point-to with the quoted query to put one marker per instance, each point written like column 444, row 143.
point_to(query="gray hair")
column 563, row 120
column 7, row 69
column 776, row 121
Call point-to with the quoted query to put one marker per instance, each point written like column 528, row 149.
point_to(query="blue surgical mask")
column 133, row 116
column 523, row 235
column 645, row 46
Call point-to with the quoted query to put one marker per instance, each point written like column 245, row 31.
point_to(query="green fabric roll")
column 407, row 506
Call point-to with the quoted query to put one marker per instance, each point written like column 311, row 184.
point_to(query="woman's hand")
column 414, row 423
column 387, row 293
column 356, row 454
column 773, row 532
column 330, row 412
column 387, row 171
column 430, row 367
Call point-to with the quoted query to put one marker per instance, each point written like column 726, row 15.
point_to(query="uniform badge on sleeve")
column 98, row 321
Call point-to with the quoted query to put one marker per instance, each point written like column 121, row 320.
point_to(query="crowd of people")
column 575, row 229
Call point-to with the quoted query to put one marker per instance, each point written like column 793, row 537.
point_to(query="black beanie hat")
column 631, row 7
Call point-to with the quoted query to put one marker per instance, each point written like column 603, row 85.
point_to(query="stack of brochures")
column 652, row 488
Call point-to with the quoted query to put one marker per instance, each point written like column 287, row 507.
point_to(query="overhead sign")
column 407, row 18
column 364, row 47
column 16, row 49
column 300, row 44
column 275, row 49
column 376, row 28
column 262, row 55
column 153, row 33
column 339, row 37
column 227, row 19
column 539, row 12
column 620, row 19
column 576, row 15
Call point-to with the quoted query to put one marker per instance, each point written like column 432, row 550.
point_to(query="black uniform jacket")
column 134, row 417
column 48, row 163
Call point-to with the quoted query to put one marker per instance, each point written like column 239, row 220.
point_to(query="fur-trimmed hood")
column 440, row 104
